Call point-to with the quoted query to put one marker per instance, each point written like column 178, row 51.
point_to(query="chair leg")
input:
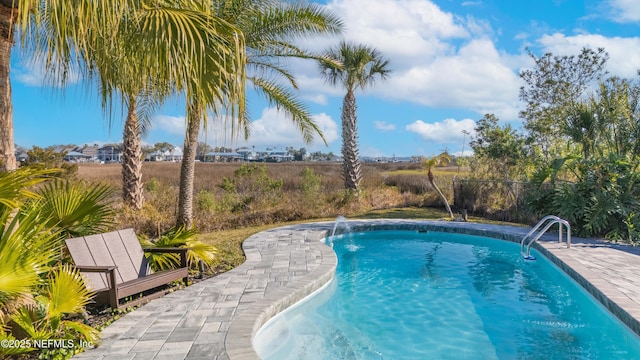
column 113, row 291
column 184, row 264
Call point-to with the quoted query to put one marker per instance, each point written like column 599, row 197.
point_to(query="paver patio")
column 217, row 318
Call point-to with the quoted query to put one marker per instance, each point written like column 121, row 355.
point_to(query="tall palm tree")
column 360, row 67
column 7, row 156
column 185, row 46
column 59, row 31
column 270, row 29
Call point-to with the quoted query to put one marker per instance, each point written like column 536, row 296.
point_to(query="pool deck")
column 218, row 317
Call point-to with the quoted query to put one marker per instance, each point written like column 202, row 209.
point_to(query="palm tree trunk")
column 7, row 146
column 187, row 171
column 132, row 191
column 351, row 161
column 432, row 181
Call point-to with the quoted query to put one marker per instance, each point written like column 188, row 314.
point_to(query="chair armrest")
column 94, row 269
column 166, row 250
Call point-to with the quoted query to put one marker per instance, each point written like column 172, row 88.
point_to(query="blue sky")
column 452, row 62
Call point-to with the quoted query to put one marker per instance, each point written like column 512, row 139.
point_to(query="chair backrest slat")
column 116, row 248
column 81, row 255
column 101, row 253
column 138, row 261
column 118, row 252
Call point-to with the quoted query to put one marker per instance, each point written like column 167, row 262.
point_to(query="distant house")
column 109, row 153
column 223, row 157
column 91, row 151
column 247, row 154
column 174, row 154
column 77, row 157
column 278, row 156
column 155, row 156
column 22, row 157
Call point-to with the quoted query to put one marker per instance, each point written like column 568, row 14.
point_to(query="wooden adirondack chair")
column 115, row 267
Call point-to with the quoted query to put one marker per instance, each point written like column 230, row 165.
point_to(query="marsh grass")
column 309, row 190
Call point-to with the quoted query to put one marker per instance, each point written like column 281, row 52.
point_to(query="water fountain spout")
column 340, row 220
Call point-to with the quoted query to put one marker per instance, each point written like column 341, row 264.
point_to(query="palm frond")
column 14, row 185
column 180, row 237
column 77, row 208
column 286, row 101
column 67, row 292
column 27, row 249
column 289, row 21
column 264, row 67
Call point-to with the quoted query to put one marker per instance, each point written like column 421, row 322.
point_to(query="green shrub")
column 603, row 201
column 205, row 201
column 153, row 185
column 311, row 184
column 251, row 187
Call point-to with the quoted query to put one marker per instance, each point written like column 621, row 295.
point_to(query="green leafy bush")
column 603, row 201
column 205, row 201
column 251, row 185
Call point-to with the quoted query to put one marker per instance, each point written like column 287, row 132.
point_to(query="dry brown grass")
column 216, row 210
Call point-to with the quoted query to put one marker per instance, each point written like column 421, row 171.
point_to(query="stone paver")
column 218, row 318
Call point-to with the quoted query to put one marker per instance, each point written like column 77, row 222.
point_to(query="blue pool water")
column 410, row 295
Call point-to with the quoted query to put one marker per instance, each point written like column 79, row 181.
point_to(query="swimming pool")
column 404, row 294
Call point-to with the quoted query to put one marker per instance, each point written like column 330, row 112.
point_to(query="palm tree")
column 7, row 19
column 184, row 46
column 58, row 32
column 269, row 28
column 440, row 160
column 360, row 67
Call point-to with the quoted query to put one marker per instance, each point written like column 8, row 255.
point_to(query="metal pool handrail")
column 532, row 239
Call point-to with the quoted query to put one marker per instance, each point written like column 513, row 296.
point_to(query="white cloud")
column 437, row 59
column 272, row 129
column 174, row 125
column 443, row 132
column 477, row 77
column 466, row 153
column 404, row 30
column 624, row 53
column 625, row 11
column 384, row 126
column 33, row 74
column 370, row 151
column 319, row 99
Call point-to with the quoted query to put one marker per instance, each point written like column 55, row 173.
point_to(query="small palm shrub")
column 311, row 188
column 64, row 294
column 37, row 294
column 177, row 238
column 205, row 201
column 77, row 208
